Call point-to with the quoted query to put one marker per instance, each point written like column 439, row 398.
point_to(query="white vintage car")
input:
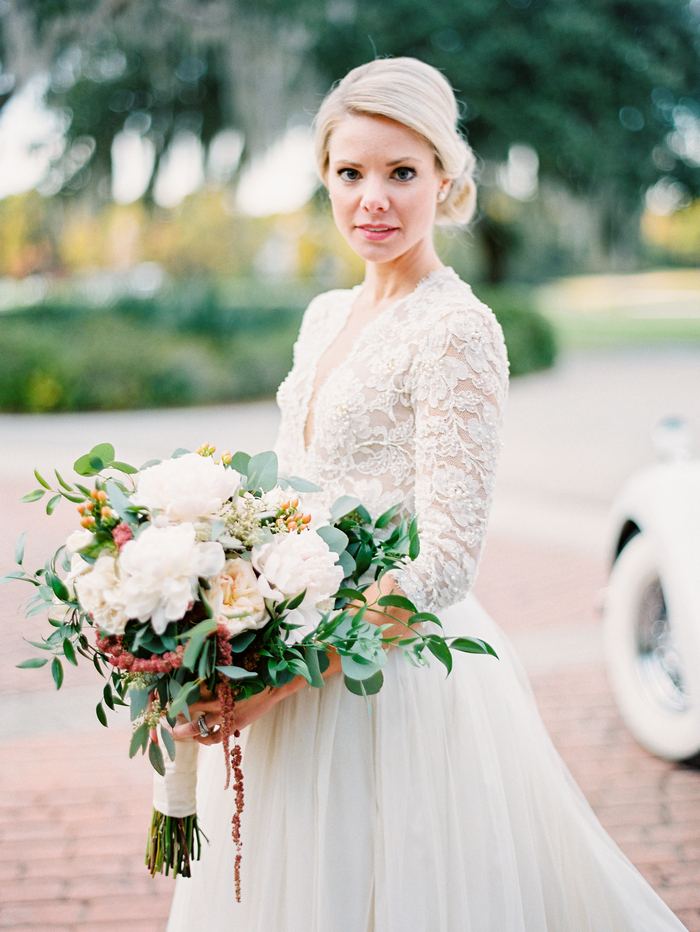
column 652, row 606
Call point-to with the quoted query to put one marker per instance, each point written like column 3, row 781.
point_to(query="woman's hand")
column 246, row 711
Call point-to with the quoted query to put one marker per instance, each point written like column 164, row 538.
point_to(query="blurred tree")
column 606, row 92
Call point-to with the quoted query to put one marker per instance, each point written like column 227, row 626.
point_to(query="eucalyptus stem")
column 173, row 843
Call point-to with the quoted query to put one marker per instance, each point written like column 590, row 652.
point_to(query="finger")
column 191, row 729
column 214, row 738
column 204, row 705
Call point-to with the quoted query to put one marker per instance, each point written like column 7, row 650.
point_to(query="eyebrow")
column 404, row 158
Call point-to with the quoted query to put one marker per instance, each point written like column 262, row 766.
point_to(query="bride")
column 444, row 807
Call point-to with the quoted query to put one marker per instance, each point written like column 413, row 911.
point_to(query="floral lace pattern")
column 411, row 414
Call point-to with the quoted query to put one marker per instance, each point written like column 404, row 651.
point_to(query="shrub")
column 183, row 348
column 530, row 337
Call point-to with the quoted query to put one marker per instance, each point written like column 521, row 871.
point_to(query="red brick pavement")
column 74, row 809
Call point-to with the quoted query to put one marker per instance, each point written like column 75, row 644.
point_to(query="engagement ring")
column 204, row 729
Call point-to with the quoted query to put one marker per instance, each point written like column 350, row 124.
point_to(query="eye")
column 404, row 173
column 348, row 174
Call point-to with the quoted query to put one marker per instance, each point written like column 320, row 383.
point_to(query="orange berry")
column 87, row 521
column 81, row 509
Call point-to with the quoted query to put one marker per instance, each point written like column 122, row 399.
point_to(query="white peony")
column 186, row 488
column 291, row 563
column 160, row 569
column 79, row 539
column 100, row 593
column 235, row 600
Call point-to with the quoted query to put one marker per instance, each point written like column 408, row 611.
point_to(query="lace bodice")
column 412, row 414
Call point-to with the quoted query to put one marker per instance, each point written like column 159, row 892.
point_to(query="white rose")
column 235, row 600
column 186, row 488
column 291, row 563
column 160, row 569
column 100, row 593
column 79, row 539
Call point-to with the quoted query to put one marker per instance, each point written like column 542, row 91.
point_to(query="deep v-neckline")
column 316, row 387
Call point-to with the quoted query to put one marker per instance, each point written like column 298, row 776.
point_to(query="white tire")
column 644, row 658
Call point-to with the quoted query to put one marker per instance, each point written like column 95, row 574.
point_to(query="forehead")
column 359, row 136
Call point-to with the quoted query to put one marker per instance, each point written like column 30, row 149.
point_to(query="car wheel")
column 645, row 662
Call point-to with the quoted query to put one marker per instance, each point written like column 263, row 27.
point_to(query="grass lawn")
column 614, row 310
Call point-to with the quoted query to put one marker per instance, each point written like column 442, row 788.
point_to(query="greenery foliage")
column 193, row 346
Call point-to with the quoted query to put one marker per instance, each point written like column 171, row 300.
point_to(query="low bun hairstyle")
column 418, row 96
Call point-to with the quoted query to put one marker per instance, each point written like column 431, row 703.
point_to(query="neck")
column 385, row 282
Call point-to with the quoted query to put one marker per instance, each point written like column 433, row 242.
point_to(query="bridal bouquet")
column 199, row 577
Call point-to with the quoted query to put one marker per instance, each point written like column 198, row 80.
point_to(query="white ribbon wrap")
column 175, row 793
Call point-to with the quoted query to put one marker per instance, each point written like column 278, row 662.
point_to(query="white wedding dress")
column 444, row 807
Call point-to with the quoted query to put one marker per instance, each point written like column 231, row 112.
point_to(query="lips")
column 376, row 231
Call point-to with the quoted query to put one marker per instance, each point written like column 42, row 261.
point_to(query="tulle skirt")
column 439, row 806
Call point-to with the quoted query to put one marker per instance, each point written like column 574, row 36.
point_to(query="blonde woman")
column 445, row 808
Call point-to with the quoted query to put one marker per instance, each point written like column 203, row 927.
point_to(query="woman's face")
column 383, row 184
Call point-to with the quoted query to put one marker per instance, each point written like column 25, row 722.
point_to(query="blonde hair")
column 421, row 98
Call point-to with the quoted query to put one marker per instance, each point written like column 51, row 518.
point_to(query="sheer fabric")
column 441, row 807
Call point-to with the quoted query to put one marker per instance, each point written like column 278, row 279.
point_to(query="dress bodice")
column 412, row 414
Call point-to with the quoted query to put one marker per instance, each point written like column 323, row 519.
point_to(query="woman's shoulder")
column 448, row 302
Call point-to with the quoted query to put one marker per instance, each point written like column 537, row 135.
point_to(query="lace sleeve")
column 459, row 387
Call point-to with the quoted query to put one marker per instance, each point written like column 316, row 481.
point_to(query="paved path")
column 74, row 809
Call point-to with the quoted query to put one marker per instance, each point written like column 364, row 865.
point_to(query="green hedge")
column 530, row 337
column 193, row 347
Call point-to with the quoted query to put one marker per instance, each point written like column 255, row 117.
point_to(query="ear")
column 444, row 189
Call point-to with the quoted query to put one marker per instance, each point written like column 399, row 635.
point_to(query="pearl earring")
column 442, row 195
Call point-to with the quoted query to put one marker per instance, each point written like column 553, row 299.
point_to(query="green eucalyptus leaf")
column 33, row 663
column 59, row 588
column 240, row 462
column 62, row 482
column 301, row 485
column 41, row 480
column 155, row 756
column 124, row 467
column 57, row 672
column 197, row 637
column 439, row 649
column 397, row 601
column 337, row 541
column 358, row 668
column 386, row 517
column 139, row 740
column 181, row 451
column 180, row 704
column 138, row 701
column 51, row 504
column 101, row 714
column 104, row 452
column 241, row 641
column 473, row 646
column 33, row 496
column 168, row 742
column 262, row 471
column 83, row 467
column 69, row 652
column 237, row 673
column 120, row 502
column 108, row 697
column 311, row 656
column 343, row 506
column 19, row 549
column 366, row 687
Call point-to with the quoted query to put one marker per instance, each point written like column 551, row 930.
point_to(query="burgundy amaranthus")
column 119, row 656
column 236, row 821
column 232, row 755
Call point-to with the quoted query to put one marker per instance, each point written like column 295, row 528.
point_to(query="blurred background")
column 157, row 184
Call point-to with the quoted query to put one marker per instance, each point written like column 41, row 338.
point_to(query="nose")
column 374, row 196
